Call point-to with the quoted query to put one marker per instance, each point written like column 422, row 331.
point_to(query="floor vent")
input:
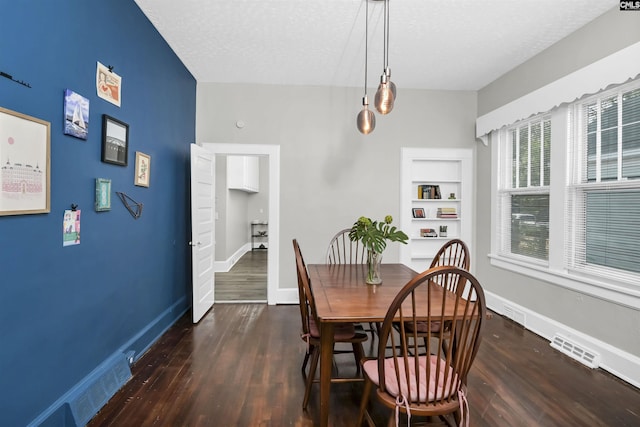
column 576, row 351
column 515, row 315
column 99, row 389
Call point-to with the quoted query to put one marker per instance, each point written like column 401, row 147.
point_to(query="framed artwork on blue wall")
column 76, row 114
column 25, row 147
column 103, row 194
column 115, row 141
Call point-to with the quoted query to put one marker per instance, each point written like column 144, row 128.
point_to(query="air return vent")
column 576, row 351
column 99, row 388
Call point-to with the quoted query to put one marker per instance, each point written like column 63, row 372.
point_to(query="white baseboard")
column 287, row 296
column 226, row 265
column 625, row 366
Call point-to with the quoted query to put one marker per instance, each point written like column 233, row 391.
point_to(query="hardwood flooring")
column 240, row 366
column 246, row 281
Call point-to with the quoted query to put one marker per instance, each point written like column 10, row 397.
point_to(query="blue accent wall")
column 64, row 311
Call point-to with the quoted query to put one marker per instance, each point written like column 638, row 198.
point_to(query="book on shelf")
column 447, row 213
column 426, row 191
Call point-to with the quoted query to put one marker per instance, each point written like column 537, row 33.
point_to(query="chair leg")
column 310, row 349
column 366, row 391
column 312, row 374
column 358, row 354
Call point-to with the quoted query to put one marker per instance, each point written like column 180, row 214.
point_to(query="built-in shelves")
column 436, row 192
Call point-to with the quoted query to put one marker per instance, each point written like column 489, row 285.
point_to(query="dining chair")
column 432, row 384
column 342, row 250
column 454, row 253
column 343, row 332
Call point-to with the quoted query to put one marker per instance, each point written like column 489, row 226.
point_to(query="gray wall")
column 330, row 173
column 606, row 321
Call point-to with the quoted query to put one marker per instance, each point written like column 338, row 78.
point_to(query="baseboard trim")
column 226, row 265
column 620, row 363
column 82, row 400
column 287, row 296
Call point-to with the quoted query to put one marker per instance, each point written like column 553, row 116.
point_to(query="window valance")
column 614, row 69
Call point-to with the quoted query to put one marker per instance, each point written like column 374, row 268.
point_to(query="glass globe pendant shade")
column 366, row 120
column 384, row 98
column 392, row 85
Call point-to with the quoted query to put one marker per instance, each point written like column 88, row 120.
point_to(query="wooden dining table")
column 341, row 295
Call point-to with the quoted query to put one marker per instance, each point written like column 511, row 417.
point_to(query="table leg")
column 326, row 359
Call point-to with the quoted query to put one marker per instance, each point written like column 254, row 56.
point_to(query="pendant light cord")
column 386, row 32
column 366, row 45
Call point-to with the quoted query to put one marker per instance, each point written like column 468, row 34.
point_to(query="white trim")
column 287, row 296
column 273, row 152
column 226, row 265
column 625, row 366
column 613, row 69
column 621, row 294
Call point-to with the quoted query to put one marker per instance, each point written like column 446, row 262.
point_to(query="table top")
column 341, row 294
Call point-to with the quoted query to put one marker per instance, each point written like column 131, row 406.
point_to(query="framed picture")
column 115, row 141
column 108, row 84
column 76, row 114
column 103, row 194
column 418, row 213
column 143, row 169
column 25, row 156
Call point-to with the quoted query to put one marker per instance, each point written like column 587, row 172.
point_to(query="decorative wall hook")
column 10, row 77
column 134, row 208
column 74, row 207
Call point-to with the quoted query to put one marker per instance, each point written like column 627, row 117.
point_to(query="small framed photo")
column 115, row 141
column 418, row 213
column 76, row 114
column 143, row 169
column 103, row 194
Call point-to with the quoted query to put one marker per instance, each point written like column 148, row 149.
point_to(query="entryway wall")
column 272, row 155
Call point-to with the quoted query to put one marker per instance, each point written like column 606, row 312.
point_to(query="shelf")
column 451, row 170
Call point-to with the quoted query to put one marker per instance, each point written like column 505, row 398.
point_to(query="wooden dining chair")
column 342, row 250
column 432, row 384
column 453, row 253
column 343, row 332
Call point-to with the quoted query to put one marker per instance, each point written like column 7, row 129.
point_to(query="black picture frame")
column 115, row 141
column 418, row 213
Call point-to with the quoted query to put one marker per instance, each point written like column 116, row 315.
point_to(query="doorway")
column 272, row 154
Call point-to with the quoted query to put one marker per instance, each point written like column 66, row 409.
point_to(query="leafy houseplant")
column 374, row 236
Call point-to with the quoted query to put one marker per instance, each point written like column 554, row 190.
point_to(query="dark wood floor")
column 240, row 366
column 246, row 281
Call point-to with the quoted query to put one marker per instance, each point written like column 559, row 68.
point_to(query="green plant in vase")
column 374, row 236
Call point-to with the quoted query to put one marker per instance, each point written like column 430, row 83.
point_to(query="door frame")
column 273, row 154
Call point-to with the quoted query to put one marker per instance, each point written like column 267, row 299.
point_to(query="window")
column 523, row 193
column 603, row 192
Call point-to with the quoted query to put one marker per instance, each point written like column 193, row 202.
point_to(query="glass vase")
column 373, row 268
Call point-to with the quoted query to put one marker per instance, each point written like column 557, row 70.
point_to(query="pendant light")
column 386, row 94
column 366, row 120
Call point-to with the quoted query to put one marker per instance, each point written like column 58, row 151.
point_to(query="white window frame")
column 556, row 270
column 505, row 189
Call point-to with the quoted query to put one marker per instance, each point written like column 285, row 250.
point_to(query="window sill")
column 619, row 293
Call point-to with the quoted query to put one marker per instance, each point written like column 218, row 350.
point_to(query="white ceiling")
column 433, row 44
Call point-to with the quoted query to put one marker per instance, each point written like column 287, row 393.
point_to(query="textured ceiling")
column 433, row 44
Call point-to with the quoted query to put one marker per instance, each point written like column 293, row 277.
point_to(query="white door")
column 202, row 229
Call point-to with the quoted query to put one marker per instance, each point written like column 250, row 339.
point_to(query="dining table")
column 341, row 295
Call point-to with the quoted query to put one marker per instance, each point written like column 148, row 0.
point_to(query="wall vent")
column 515, row 315
column 576, row 351
column 98, row 389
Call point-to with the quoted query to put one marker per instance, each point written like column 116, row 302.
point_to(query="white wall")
column 330, row 173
